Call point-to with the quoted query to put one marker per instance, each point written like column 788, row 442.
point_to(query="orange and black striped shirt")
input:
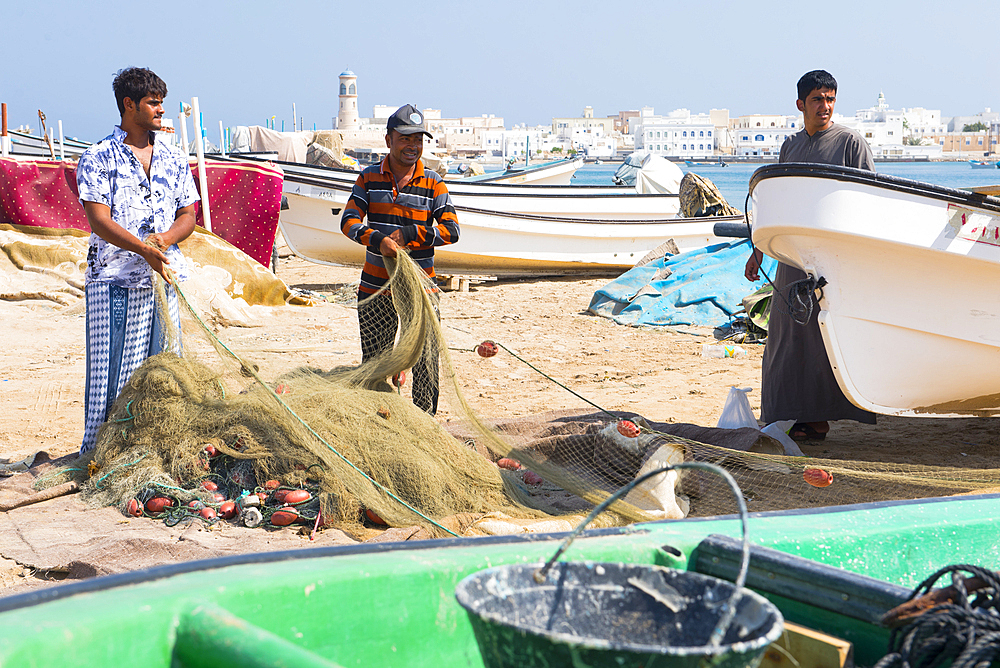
column 422, row 210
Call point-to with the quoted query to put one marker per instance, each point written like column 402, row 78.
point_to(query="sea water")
column 733, row 181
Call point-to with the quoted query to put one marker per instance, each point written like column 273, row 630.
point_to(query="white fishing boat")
column 910, row 312
column 504, row 243
column 595, row 203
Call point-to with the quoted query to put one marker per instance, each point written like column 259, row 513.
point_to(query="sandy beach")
column 657, row 373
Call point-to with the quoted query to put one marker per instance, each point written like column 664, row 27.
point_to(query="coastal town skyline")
column 527, row 63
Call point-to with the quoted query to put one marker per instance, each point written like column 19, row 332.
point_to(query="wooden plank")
column 801, row 647
column 986, row 190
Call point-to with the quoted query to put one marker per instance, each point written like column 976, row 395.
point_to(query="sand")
column 658, row 373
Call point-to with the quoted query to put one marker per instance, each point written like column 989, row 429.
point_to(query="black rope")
column 802, row 299
column 966, row 633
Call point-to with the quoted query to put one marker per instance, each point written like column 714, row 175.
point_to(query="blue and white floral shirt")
column 109, row 173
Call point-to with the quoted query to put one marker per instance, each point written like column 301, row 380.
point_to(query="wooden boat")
column 835, row 570
column 502, row 243
column 981, row 164
column 909, row 313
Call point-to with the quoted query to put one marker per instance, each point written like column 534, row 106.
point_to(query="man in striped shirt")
column 406, row 208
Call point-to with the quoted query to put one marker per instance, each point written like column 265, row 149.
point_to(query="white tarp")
column 290, row 146
column 650, row 173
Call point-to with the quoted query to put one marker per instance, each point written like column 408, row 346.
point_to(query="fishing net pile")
column 199, row 429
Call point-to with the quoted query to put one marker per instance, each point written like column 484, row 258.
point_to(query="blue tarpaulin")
column 703, row 287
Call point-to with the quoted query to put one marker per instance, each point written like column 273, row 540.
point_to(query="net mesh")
column 366, row 452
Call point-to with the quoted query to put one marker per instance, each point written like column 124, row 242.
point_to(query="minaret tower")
column 347, row 116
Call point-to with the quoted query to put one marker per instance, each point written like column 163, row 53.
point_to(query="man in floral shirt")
column 139, row 197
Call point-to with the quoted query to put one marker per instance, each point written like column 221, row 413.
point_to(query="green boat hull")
column 394, row 604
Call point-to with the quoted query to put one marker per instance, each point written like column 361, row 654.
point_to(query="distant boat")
column 554, row 173
column 705, row 163
column 981, row 164
column 909, row 310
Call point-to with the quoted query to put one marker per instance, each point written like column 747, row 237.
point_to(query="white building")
column 679, row 134
column 762, row 134
column 885, row 130
column 519, row 141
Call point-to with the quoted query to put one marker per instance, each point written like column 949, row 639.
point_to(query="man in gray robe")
column 798, row 382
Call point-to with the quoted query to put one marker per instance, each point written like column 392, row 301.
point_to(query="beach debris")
column 44, row 495
column 818, row 477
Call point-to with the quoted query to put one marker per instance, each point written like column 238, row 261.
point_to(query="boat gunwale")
column 155, row 573
column 514, row 186
column 559, row 219
column 875, row 179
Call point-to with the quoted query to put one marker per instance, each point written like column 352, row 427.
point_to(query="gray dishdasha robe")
column 798, row 382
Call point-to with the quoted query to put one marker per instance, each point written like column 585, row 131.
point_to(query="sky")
column 525, row 61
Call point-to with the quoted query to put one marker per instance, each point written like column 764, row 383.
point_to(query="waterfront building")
column 983, row 118
column 679, row 134
column 564, row 127
column 887, row 131
column 763, row 134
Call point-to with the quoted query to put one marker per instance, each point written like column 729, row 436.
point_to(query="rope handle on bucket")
column 729, row 609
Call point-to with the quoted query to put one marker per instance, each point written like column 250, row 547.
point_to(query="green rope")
column 575, row 394
column 97, row 484
column 249, row 369
column 128, row 410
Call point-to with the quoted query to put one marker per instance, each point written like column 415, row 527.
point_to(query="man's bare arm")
column 184, row 224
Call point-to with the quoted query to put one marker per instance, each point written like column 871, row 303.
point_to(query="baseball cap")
column 407, row 121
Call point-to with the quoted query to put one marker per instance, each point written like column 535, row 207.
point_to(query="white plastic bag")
column 736, row 413
column 779, row 432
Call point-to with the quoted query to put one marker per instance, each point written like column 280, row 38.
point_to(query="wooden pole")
column 46, row 494
column 4, row 148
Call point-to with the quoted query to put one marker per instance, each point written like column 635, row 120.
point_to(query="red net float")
column 818, row 477
column 628, row 429
column 487, row 349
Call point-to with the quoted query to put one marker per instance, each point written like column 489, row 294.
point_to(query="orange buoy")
column 134, row 508
column 227, row 510
column 628, row 429
column 487, row 349
column 279, row 495
column 208, row 513
column 297, row 496
column 272, row 484
column 509, row 464
column 210, row 450
column 818, row 477
column 218, row 497
column 532, row 478
column 374, row 518
column 209, row 485
column 158, row 504
column 399, row 379
column 284, row 517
